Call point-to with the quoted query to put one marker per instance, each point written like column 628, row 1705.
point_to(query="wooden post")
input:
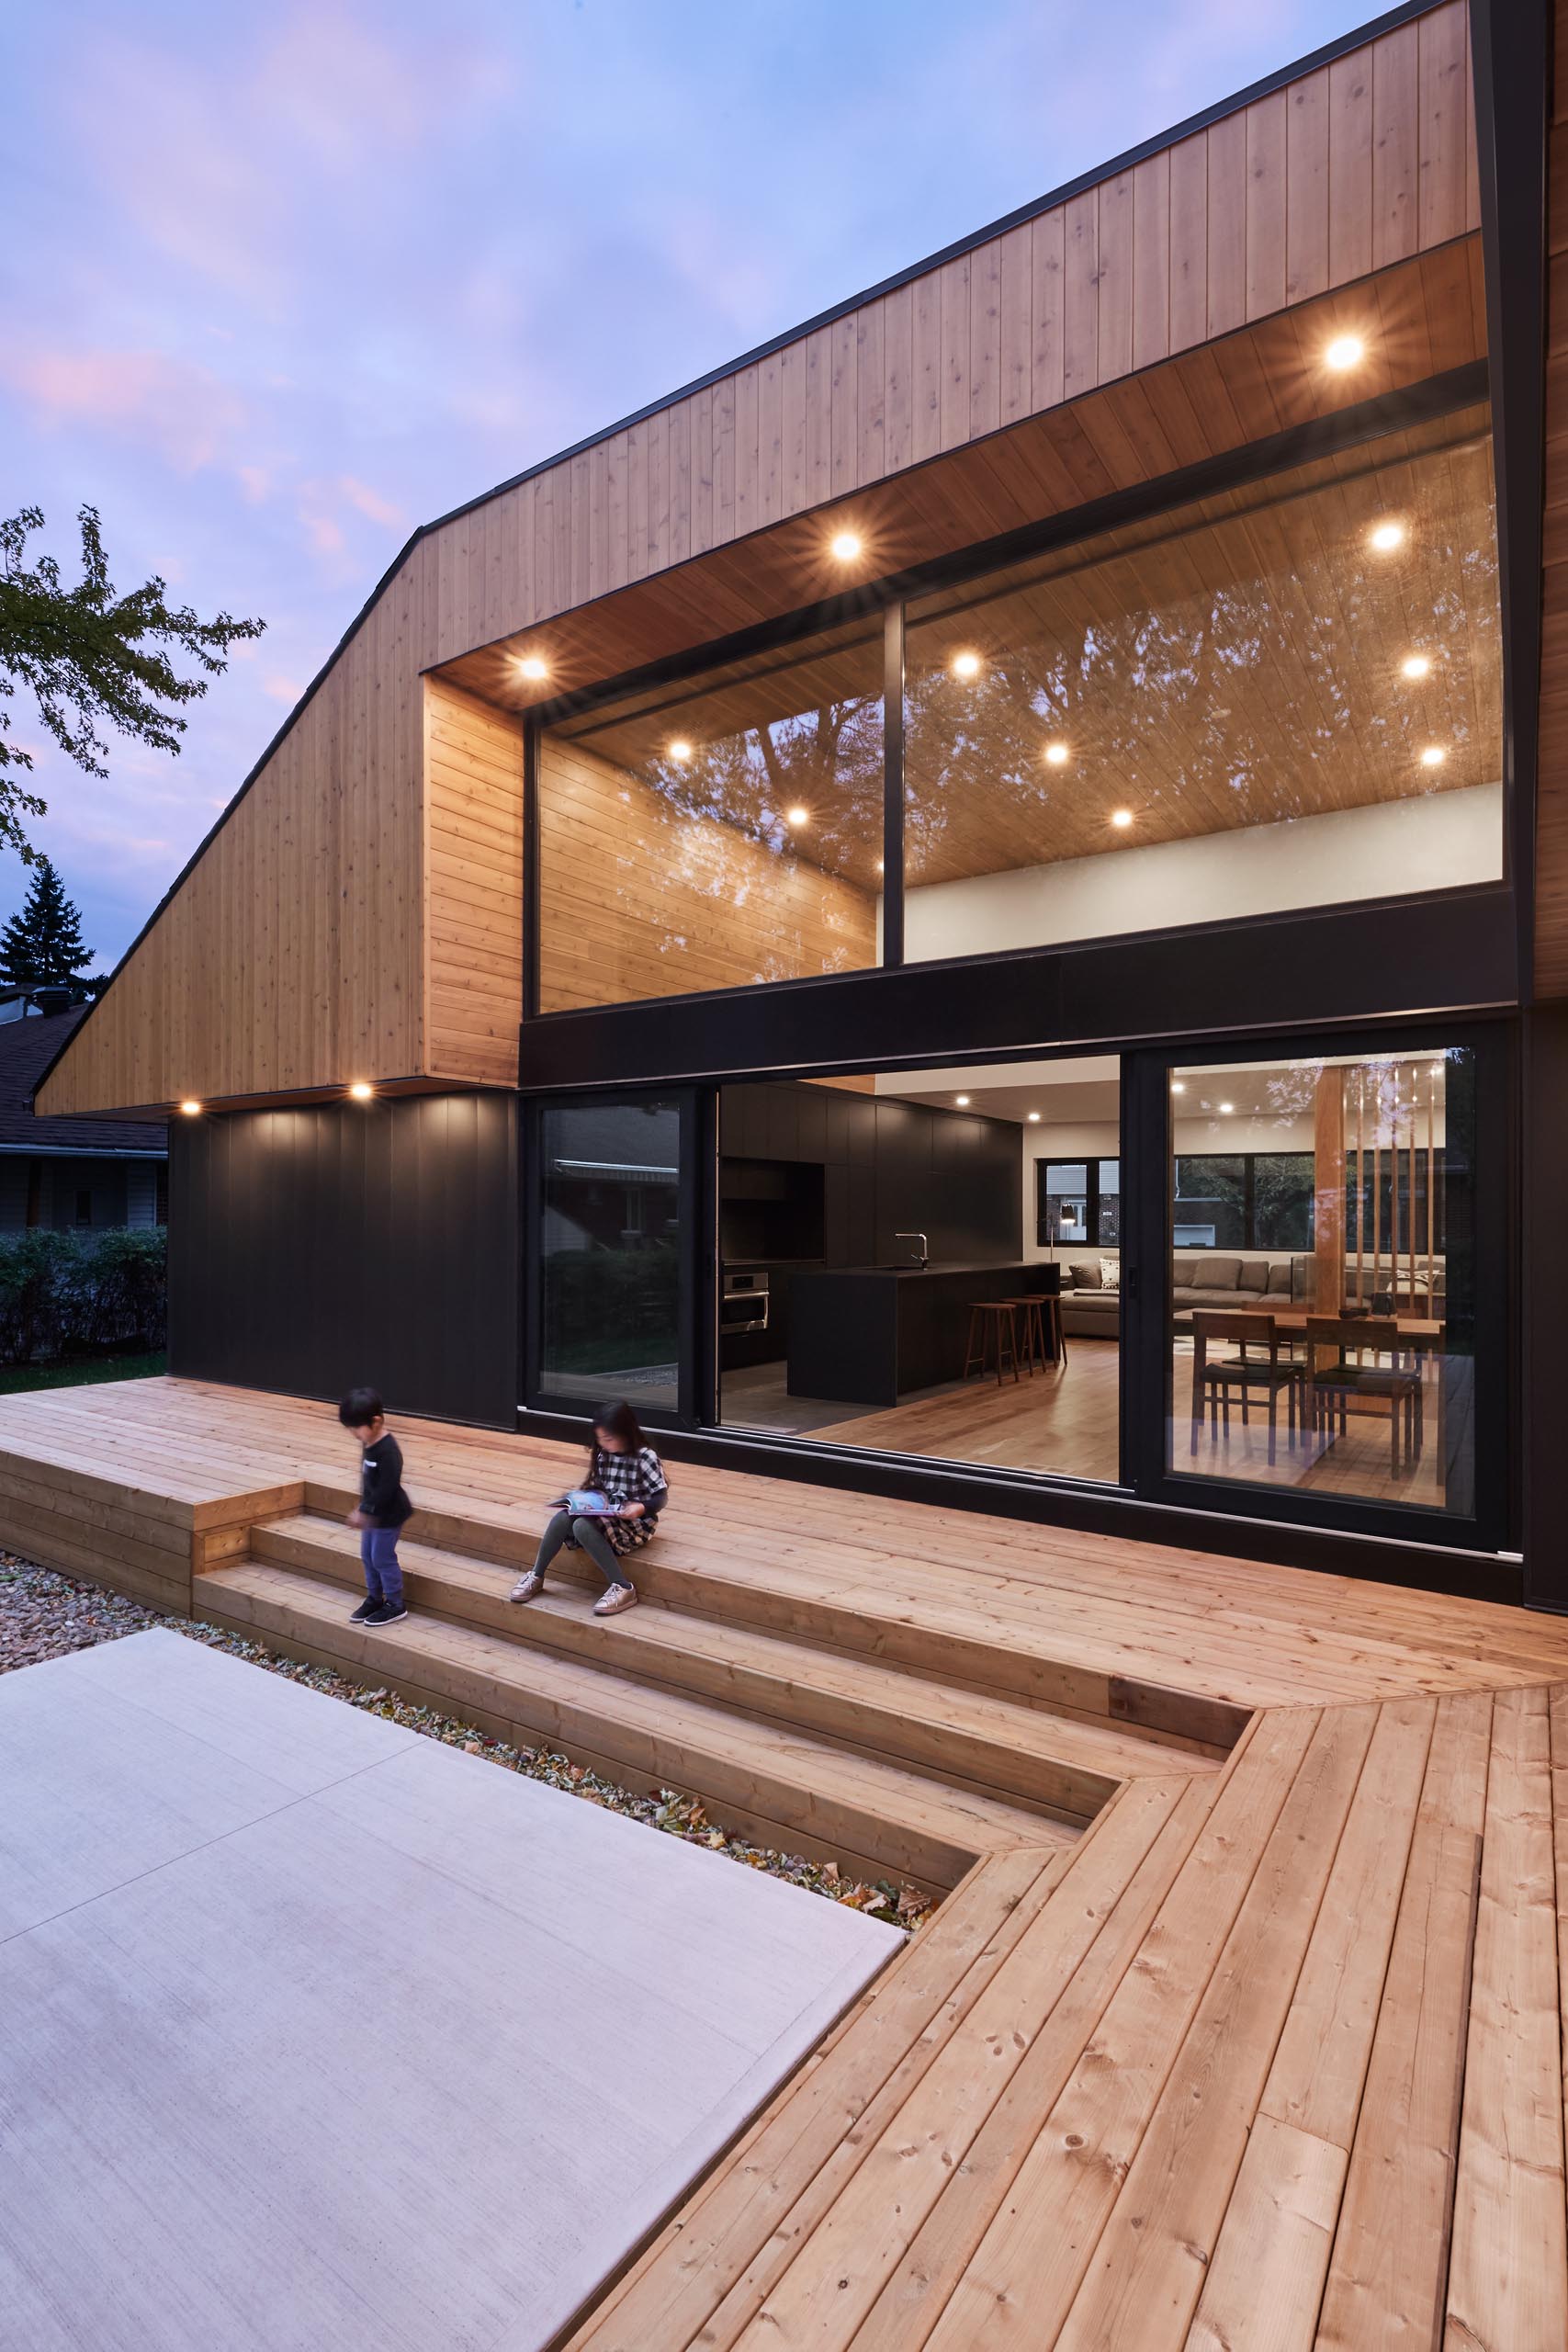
column 1360, row 1184
column 1328, row 1188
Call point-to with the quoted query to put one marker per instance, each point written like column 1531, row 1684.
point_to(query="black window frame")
column 1249, row 1240
column 696, row 1195
column 1094, row 1194
column 1148, row 1119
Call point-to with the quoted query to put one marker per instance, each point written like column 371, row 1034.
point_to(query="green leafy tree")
column 42, row 947
column 92, row 659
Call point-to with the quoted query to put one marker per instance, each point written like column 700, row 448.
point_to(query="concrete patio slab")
column 409, row 2057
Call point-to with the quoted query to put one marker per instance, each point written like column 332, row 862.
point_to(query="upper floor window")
column 1283, row 695
column 716, row 832
column 1288, row 696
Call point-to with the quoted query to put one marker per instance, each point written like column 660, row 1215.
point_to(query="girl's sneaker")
column 390, row 1612
column 528, row 1587
column 619, row 1597
column 364, row 1610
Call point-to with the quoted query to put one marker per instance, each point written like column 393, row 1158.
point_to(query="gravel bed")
column 43, row 1615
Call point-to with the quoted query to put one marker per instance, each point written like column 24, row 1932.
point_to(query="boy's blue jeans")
column 378, row 1552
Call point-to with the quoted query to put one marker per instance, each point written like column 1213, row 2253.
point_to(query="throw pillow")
column 1086, row 1275
column 1111, row 1273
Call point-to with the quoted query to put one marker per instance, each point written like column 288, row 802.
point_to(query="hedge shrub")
column 62, row 1294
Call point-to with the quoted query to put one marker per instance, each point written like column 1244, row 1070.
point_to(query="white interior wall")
column 1436, row 842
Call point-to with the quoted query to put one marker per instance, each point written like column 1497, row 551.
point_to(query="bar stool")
column 993, row 1338
column 1043, row 1334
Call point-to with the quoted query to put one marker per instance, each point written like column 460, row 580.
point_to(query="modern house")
column 1045, row 784
column 76, row 1175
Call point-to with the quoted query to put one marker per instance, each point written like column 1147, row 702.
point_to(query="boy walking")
column 382, row 1510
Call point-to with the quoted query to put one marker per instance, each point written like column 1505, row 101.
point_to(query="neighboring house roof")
column 27, row 1048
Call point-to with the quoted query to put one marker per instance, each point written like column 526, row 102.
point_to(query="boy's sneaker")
column 619, row 1597
column 390, row 1612
column 528, row 1587
column 367, row 1607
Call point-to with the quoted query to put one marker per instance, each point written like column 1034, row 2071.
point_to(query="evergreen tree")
column 42, row 947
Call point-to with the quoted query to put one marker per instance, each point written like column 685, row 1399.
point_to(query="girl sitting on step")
column 617, row 1513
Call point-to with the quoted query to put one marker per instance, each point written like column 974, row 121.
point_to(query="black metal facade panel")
column 313, row 1249
column 1407, row 956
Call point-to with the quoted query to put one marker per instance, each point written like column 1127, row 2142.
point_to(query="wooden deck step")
column 783, row 1787
column 1068, row 1765
column 924, row 1614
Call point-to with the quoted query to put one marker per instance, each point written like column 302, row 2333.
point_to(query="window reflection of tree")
column 1252, row 686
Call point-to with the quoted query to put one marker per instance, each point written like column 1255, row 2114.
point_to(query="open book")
column 585, row 1502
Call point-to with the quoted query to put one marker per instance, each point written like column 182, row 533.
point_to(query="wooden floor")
column 1243, row 2025
column 1066, row 1419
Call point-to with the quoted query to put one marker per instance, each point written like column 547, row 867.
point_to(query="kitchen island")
column 871, row 1335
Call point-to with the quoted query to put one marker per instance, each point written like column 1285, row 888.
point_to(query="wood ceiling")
column 1234, row 663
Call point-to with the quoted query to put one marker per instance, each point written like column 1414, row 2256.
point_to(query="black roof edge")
column 1358, row 38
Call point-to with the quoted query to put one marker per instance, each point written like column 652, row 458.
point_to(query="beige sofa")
column 1245, row 1282
column 1203, row 1278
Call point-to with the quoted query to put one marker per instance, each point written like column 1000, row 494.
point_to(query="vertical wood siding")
column 473, row 895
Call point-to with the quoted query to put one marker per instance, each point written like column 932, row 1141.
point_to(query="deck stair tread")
column 1067, row 1762
column 827, row 1794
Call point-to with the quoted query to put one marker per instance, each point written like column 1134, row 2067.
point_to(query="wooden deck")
column 1243, row 2025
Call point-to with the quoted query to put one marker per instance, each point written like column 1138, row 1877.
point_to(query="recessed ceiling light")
column 1437, row 1070
column 1035, row 1118
column 962, row 1100
column 1227, row 1106
column 879, row 866
column 533, row 666
column 1433, row 756
column 1386, row 536
column 191, row 1110
column 1415, row 665
column 680, row 748
column 1179, row 1086
column 1058, row 754
column 1121, row 818
column 845, row 545
column 966, row 665
column 1344, row 351
column 797, row 816
column 360, row 1091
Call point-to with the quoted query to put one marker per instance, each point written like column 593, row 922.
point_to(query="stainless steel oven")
column 744, row 1306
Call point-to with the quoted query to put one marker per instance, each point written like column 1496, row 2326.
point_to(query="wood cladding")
column 290, row 956
column 1147, row 321
column 637, row 899
column 473, row 896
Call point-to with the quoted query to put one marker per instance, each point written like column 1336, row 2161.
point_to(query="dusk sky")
column 285, row 282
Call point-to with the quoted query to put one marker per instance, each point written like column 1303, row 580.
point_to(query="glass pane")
column 609, row 1252
column 1287, row 695
column 1322, row 1292
column 1110, row 1201
column 1065, row 1203
column 906, row 1267
column 719, row 833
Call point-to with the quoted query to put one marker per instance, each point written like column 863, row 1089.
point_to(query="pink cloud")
column 281, row 689
column 379, row 510
column 181, row 410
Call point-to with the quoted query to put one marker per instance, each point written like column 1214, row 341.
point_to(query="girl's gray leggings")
column 589, row 1536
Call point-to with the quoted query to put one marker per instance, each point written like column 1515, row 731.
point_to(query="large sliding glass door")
column 1323, row 1332
column 1270, row 1283
column 610, row 1280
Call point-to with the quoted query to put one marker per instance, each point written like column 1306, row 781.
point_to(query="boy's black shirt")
column 381, row 1495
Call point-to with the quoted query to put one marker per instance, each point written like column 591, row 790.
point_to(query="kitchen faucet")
column 924, row 1259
